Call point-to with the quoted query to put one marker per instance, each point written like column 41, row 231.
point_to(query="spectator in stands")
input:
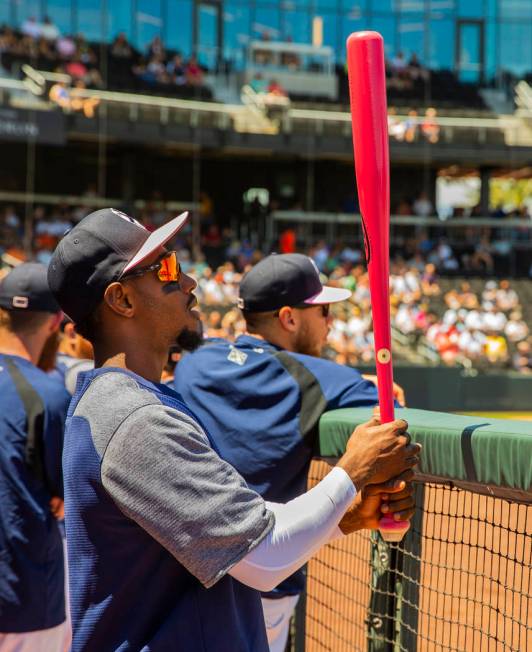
column 120, row 47
column 472, row 344
column 233, row 324
column 176, row 70
column 494, row 319
column 48, row 30
column 405, row 318
column 275, row 89
column 287, row 241
column 157, row 70
column 66, row 47
column 415, row 69
column 516, row 328
column 140, row 70
column 156, row 49
column 396, row 127
column 213, row 325
column 496, row 348
column 505, row 297
column 193, row 72
column 429, row 281
column 12, row 220
column 468, row 299
column 404, row 207
column 30, row 27
column 443, row 257
column 422, row 206
column 46, row 50
column 522, row 359
column 8, row 40
column 411, row 126
column 258, row 83
column 76, row 68
column 430, row 127
column 399, row 65
column 482, row 260
column 85, row 53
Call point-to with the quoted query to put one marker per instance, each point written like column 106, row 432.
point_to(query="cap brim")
column 157, row 239
column 329, row 294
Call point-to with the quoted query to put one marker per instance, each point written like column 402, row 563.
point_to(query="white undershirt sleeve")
column 301, row 527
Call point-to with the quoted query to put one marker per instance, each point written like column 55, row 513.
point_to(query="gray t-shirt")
column 160, row 469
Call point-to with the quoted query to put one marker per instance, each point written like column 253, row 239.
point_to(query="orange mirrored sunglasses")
column 168, row 269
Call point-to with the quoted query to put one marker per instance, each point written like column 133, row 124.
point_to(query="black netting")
column 460, row 581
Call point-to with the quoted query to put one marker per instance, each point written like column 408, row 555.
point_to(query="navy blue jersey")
column 31, row 552
column 155, row 519
column 262, row 406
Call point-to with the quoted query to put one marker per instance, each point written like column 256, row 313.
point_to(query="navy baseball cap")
column 26, row 288
column 98, row 251
column 285, row 280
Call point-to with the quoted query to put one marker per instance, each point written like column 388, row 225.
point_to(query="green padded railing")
column 461, row 578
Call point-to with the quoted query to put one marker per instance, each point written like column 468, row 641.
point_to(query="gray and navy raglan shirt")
column 155, row 519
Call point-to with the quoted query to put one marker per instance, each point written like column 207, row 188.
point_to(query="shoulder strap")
column 34, row 408
column 313, row 401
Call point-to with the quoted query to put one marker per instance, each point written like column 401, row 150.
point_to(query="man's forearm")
column 302, row 526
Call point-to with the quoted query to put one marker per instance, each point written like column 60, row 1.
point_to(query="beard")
column 306, row 342
column 49, row 352
column 190, row 339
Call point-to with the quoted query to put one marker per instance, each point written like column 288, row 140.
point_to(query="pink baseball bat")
column 367, row 89
column 369, row 116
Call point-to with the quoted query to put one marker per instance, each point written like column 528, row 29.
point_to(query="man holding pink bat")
column 262, row 396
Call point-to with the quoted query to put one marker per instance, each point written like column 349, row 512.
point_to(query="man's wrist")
column 359, row 477
column 351, row 521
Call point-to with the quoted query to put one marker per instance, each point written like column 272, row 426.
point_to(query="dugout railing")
column 460, row 581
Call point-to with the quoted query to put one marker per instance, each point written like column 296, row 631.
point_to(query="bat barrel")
column 367, row 88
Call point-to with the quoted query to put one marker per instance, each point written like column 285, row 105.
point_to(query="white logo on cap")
column 126, row 217
column 20, row 302
column 240, row 303
column 314, row 265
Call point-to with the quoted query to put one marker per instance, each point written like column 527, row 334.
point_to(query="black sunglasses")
column 325, row 308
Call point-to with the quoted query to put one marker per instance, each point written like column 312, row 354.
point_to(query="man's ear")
column 287, row 319
column 55, row 322
column 119, row 298
column 70, row 331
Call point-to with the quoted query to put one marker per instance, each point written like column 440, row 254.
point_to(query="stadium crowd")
column 43, row 46
column 482, row 327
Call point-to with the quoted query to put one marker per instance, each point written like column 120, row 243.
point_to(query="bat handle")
column 392, row 531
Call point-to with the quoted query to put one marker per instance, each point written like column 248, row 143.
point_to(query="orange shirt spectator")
column 287, row 241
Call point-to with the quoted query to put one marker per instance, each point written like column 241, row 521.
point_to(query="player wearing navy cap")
column 33, row 409
column 261, row 397
column 167, row 544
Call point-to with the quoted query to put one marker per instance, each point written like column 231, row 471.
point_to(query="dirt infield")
column 520, row 416
column 475, row 579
